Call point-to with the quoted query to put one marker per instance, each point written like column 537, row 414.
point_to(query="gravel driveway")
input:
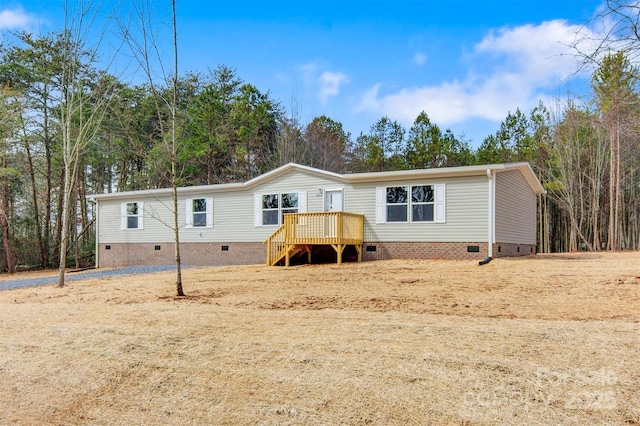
column 129, row 270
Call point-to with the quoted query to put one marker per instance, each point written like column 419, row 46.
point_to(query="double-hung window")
column 199, row 213
column 410, row 203
column 422, row 203
column 131, row 215
column 271, row 208
column 396, row 203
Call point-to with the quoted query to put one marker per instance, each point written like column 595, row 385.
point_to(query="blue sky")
column 466, row 63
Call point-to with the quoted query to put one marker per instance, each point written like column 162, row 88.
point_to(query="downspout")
column 491, row 218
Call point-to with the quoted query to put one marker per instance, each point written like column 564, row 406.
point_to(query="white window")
column 396, row 203
column 410, row 204
column 199, row 213
column 270, row 209
column 131, row 216
column 422, row 203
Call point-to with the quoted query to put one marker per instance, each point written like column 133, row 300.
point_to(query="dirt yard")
column 550, row 339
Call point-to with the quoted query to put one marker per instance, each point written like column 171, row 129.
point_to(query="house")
column 470, row 212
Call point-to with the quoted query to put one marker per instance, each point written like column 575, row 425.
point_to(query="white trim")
column 124, row 222
column 123, row 216
column 97, row 218
column 381, row 208
column 302, row 202
column 492, row 211
column 140, row 214
column 439, row 205
column 188, row 215
column 332, row 189
column 209, row 207
column 257, row 210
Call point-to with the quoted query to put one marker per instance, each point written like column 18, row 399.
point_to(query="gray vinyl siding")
column 466, row 208
column 233, row 212
column 156, row 219
column 298, row 181
column 241, row 227
column 515, row 209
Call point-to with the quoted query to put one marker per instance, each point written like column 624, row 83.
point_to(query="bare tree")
column 84, row 95
column 614, row 83
column 567, row 175
column 615, row 29
column 327, row 144
column 144, row 44
column 610, row 43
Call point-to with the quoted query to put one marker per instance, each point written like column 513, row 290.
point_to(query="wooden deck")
column 300, row 231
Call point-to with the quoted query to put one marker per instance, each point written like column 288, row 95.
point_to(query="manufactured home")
column 298, row 212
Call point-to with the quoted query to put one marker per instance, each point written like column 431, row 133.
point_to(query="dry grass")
column 541, row 340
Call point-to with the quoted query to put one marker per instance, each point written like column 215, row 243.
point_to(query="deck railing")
column 337, row 229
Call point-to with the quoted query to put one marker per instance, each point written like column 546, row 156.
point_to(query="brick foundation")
column 220, row 254
column 193, row 254
column 406, row 250
column 513, row 250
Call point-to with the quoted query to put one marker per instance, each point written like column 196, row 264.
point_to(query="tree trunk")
column 611, row 244
column 65, row 195
column 174, row 154
column 4, row 220
column 59, row 225
column 49, row 183
column 34, row 193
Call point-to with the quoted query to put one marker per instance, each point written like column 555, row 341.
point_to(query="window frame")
column 190, row 213
column 259, row 209
column 270, row 209
column 404, row 204
column 124, row 215
column 439, row 204
column 423, row 203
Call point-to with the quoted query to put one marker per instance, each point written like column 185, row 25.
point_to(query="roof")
column 389, row 176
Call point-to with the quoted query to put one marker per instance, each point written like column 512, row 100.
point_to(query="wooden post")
column 269, row 252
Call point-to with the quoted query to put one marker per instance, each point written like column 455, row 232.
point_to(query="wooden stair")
column 302, row 230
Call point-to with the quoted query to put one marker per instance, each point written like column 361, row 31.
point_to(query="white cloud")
column 309, row 71
column 318, row 82
column 510, row 68
column 14, row 19
column 420, row 58
column 330, row 83
column 539, row 54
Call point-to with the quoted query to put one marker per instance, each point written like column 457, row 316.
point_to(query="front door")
column 333, row 202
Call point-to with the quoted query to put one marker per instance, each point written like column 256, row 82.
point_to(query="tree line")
column 585, row 152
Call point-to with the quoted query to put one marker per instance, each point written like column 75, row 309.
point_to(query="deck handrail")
column 317, row 228
column 275, row 246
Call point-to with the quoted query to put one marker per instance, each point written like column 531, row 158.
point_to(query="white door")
column 333, row 202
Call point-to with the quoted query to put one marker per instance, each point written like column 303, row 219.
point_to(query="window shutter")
column 140, row 214
column 209, row 212
column 302, row 202
column 257, row 210
column 123, row 216
column 440, row 203
column 381, row 211
column 188, row 216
